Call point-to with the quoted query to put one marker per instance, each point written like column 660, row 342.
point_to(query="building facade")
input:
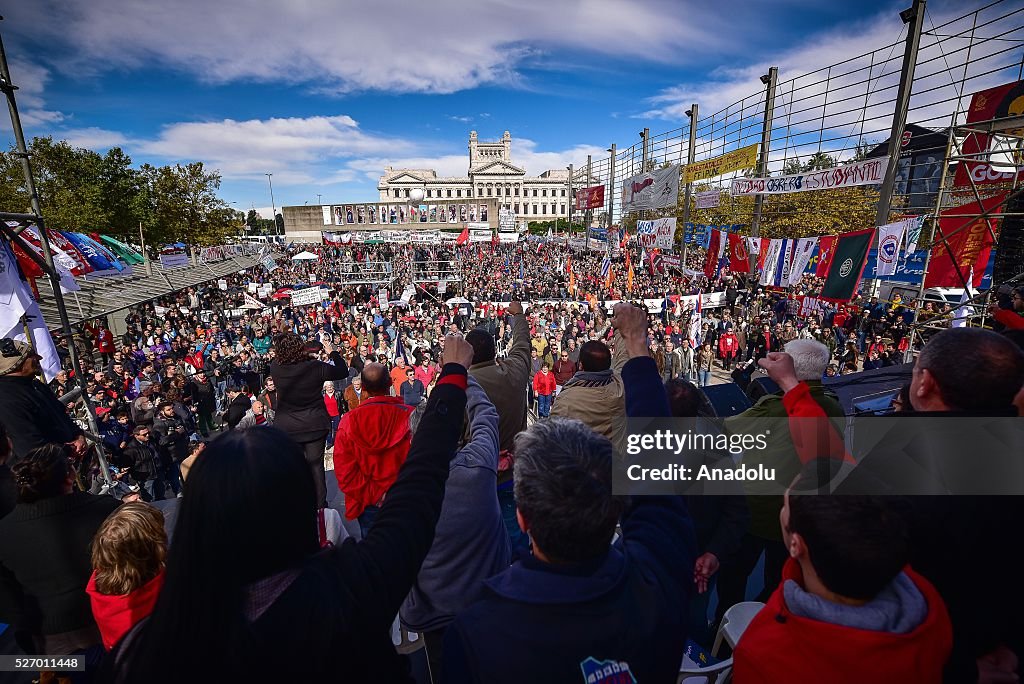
column 491, row 175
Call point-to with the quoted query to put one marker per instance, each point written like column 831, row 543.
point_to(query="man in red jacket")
column 370, row 446
column 849, row 608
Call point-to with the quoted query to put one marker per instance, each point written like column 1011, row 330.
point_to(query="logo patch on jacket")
column 606, row 672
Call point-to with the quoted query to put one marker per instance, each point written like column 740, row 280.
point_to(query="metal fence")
column 837, row 114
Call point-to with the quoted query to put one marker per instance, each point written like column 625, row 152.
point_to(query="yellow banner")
column 743, row 158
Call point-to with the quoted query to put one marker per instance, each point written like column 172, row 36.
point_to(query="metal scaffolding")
column 431, row 271
column 365, row 273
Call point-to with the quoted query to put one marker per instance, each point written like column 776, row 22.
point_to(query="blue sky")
column 325, row 94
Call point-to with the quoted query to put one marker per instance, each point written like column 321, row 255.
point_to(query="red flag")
column 762, row 253
column 969, row 242
column 463, row 236
column 826, row 248
column 715, row 246
column 739, row 257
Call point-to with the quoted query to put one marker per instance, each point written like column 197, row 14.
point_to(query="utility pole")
column 587, row 215
column 568, row 227
column 611, row 197
column 690, row 153
column 914, row 16
column 318, row 196
column 769, row 80
column 273, row 206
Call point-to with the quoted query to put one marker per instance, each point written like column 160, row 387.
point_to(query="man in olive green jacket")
column 505, row 382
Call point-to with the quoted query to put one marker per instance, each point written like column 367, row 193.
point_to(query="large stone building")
column 491, row 174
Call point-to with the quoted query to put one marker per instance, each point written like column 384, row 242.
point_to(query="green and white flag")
column 849, row 257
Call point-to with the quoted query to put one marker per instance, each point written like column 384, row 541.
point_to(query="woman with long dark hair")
column 300, row 410
column 249, row 595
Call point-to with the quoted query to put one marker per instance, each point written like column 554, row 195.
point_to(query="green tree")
column 185, row 205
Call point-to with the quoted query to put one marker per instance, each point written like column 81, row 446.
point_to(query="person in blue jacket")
column 581, row 609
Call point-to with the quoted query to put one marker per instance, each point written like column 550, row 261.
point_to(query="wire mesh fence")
column 832, row 116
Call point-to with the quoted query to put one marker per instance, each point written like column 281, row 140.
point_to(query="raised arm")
column 339, row 371
column 482, row 448
column 518, row 358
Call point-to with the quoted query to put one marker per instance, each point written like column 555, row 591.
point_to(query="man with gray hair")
column 580, row 607
column 810, row 359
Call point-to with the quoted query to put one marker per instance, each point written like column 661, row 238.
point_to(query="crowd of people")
column 472, row 441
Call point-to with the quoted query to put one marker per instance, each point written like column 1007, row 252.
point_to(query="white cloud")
column 439, row 47
column 94, row 138
column 296, row 150
column 31, row 79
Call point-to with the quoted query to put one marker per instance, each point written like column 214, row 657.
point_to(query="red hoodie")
column 371, row 445
column 115, row 615
column 779, row 646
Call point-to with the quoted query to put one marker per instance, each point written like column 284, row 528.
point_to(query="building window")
column 563, row 209
column 489, row 189
column 407, row 192
column 544, row 209
column 516, row 205
column 535, row 193
column 563, row 192
column 544, row 192
column 449, row 192
column 508, row 191
column 534, row 207
column 516, row 191
column 398, row 192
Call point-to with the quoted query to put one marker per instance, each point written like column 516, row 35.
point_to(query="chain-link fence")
column 832, row 116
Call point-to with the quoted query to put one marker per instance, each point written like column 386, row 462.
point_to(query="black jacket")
column 236, row 410
column 340, row 607
column 45, row 562
column 300, row 409
column 33, row 416
column 141, row 459
column 173, row 444
column 8, row 491
column 203, row 395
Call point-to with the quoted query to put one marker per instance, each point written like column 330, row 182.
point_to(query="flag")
column 848, row 260
column 762, row 251
column 967, row 241
column 771, row 270
column 522, row 274
column 463, row 236
column 826, row 246
column 695, row 320
column 716, row 247
column 629, row 273
column 568, row 265
column 739, row 257
column 963, row 311
column 890, row 237
column 610, row 278
column 400, row 348
column 914, row 232
column 605, row 266
column 16, row 301
column 802, row 252
column 572, row 283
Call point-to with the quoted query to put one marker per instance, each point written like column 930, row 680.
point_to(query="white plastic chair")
column 719, row 673
column 734, row 623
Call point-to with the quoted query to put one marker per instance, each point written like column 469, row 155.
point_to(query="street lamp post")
column 273, row 206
